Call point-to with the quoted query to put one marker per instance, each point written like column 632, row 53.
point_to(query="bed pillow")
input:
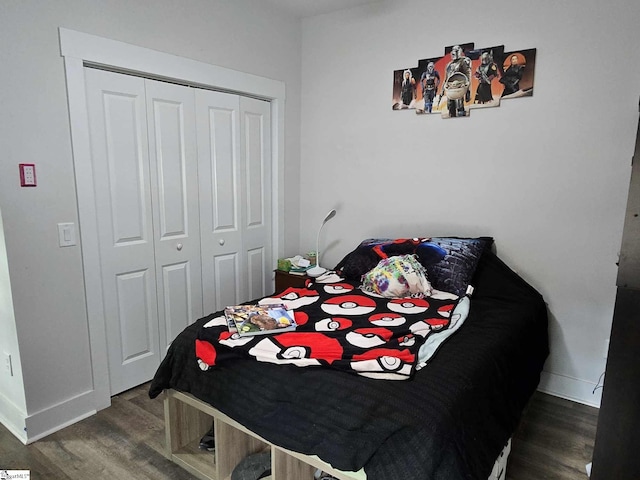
column 361, row 259
column 454, row 272
column 450, row 262
column 398, row 277
column 370, row 251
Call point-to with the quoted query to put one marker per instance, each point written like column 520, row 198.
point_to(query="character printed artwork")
column 457, row 82
column 463, row 79
column 517, row 73
column 487, row 76
column 404, row 87
column 430, row 81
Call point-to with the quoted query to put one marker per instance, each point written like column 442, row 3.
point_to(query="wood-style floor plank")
column 554, row 441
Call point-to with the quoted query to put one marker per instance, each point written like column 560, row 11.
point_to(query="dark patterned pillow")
column 367, row 255
column 362, row 259
column 455, row 271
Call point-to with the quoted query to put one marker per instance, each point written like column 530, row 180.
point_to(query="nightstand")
column 285, row 280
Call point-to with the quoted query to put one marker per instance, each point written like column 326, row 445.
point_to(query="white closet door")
column 234, row 165
column 256, row 152
column 220, row 171
column 174, row 188
column 120, row 161
column 182, row 183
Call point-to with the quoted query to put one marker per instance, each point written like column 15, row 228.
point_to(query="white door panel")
column 179, row 305
column 226, row 276
column 220, row 174
column 256, row 152
column 133, row 290
column 174, row 187
column 117, row 118
column 259, row 273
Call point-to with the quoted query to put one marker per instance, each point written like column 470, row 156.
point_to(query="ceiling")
column 309, row 8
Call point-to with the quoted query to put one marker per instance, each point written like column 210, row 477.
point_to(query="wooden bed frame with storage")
column 187, row 419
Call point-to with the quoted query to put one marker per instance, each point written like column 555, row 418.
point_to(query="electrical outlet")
column 7, row 364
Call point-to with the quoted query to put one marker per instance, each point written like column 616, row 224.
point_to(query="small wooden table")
column 286, row 280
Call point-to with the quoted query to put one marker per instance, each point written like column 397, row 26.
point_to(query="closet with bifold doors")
column 182, row 183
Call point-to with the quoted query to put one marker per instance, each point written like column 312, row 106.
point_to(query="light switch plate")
column 66, row 234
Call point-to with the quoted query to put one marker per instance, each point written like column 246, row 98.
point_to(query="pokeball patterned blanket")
column 342, row 327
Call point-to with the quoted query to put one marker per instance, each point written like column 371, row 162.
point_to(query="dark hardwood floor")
column 554, row 441
column 125, row 441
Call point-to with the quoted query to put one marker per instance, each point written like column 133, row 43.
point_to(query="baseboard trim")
column 13, row 418
column 570, row 388
column 57, row 417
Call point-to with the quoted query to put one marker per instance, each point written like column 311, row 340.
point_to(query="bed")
column 449, row 420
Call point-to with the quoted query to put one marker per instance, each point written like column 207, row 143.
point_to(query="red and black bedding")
column 449, row 419
column 342, row 327
column 376, row 331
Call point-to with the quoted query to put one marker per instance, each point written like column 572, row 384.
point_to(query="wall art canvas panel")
column 517, row 73
column 485, row 85
column 463, row 79
column 404, row 88
column 455, row 95
column 429, row 84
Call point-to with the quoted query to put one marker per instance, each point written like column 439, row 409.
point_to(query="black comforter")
column 449, row 422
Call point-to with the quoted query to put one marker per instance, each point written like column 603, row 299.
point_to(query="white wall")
column 47, row 281
column 547, row 176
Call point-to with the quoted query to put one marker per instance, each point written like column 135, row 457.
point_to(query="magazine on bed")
column 249, row 320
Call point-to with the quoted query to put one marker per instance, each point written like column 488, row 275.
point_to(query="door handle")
column 179, row 247
column 221, row 241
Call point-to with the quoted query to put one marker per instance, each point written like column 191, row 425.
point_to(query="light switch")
column 66, row 234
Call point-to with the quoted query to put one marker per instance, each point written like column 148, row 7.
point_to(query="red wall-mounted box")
column 27, row 175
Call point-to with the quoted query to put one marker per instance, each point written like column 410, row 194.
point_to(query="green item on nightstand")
column 284, row 264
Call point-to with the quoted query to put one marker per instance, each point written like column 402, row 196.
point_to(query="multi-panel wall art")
column 463, row 79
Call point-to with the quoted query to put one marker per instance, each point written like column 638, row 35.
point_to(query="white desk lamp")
column 317, row 270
